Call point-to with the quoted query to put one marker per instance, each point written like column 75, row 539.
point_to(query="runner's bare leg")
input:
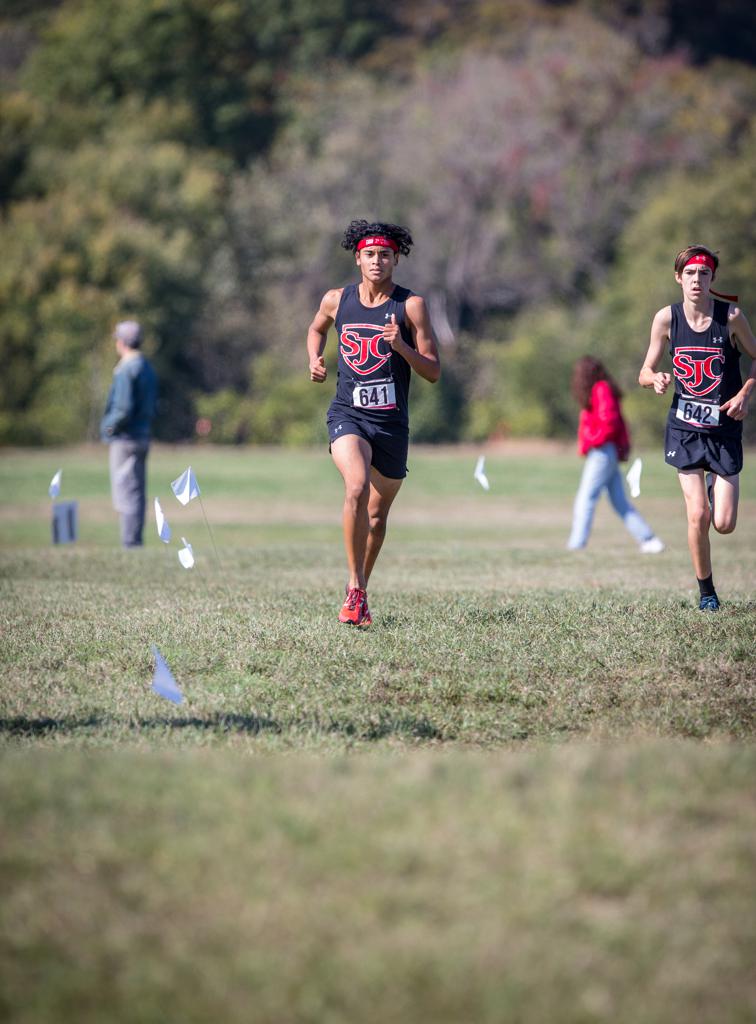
column 726, row 493
column 693, row 486
column 352, row 456
column 383, row 490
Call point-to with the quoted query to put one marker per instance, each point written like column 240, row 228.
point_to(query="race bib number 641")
column 378, row 394
column 699, row 414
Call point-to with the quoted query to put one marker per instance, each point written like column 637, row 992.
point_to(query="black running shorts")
column 389, row 447
column 692, row 449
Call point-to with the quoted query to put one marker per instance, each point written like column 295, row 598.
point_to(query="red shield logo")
column 363, row 348
column 698, row 369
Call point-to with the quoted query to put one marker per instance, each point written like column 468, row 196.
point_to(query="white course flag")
column 480, row 473
column 186, row 487
column 163, row 682
column 163, row 529
column 54, row 489
column 186, row 554
column 633, row 478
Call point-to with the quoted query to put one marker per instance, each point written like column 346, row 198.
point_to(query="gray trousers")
column 128, row 479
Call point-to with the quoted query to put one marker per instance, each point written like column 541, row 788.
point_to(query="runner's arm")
column 740, row 330
column 317, row 333
column 648, row 377
column 424, row 357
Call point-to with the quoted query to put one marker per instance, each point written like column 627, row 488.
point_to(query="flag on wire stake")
column 185, row 487
column 54, row 489
column 633, row 478
column 212, row 541
column 163, row 682
column 163, row 529
column 186, row 557
column 186, row 554
column 480, row 473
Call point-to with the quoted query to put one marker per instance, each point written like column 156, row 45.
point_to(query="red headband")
column 381, row 240
column 705, row 260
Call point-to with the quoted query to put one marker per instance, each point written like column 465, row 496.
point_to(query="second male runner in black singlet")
column 705, row 337
column 384, row 333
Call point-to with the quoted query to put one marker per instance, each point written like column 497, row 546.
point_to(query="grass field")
column 527, row 793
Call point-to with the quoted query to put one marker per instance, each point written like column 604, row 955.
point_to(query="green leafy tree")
column 521, row 388
column 119, row 235
column 522, row 383
column 517, row 198
column 716, row 209
column 516, row 195
column 224, row 62
column 194, row 164
column 19, row 117
column 279, row 408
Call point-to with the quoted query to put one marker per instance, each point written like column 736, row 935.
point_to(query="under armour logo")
column 338, row 428
column 387, row 316
column 717, row 341
column 671, row 455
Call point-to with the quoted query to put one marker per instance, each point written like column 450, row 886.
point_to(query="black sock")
column 706, row 587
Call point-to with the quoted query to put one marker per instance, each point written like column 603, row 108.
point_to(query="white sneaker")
column 652, row 546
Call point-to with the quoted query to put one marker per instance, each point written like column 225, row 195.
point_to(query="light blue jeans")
column 601, row 471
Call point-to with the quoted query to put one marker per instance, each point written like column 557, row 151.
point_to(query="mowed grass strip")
column 572, row 884
column 249, row 487
column 278, row 671
column 487, row 632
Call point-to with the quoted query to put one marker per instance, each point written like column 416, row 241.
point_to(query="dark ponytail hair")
column 586, row 373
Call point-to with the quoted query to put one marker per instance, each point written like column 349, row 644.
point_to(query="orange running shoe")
column 355, row 611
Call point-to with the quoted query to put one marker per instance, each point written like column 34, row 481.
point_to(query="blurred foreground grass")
column 569, row 884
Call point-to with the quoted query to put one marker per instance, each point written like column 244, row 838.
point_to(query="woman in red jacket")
column 603, row 438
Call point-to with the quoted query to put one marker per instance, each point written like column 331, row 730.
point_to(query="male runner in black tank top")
column 384, row 333
column 705, row 338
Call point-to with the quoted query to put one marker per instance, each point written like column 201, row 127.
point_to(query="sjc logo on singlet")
column 698, row 369
column 361, row 348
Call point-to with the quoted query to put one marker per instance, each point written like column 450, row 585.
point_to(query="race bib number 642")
column 378, row 394
column 699, row 414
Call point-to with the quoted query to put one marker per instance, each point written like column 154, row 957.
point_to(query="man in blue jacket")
column 126, row 428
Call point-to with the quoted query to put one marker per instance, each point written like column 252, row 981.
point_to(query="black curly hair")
column 360, row 229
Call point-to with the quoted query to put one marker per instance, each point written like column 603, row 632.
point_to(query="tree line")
column 194, row 165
